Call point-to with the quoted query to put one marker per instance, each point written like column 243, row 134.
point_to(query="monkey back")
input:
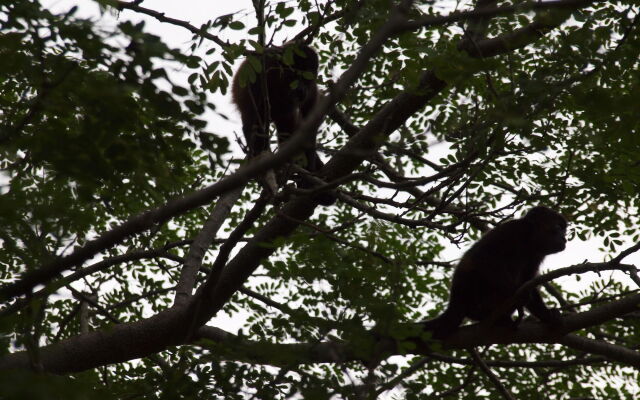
column 284, row 82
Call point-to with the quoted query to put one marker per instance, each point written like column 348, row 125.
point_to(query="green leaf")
column 236, row 25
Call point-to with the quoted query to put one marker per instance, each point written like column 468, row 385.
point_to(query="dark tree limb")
column 608, row 350
column 559, row 12
column 204, row 239
column 140, row 339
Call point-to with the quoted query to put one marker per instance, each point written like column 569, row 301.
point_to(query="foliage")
column 95, row 129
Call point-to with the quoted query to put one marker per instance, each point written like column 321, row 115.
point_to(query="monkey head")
column 549, row 229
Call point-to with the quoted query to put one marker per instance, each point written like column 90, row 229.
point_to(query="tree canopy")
column 130, row 221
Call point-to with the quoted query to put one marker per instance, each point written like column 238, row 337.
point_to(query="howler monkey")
column 284, row 95
column 493, row 269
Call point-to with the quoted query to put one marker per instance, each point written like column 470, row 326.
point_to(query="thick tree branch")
column 610, row 351
column 223, row 255
column 193, row 260
column 473, row 335
column 515, row 39
column 119, row 343
column 139, row 339
column 241, row 349
column 228, row 345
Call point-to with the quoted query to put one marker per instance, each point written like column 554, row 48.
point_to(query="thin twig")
column 402, row 376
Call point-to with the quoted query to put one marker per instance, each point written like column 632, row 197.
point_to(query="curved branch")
column 197, row 250
column 608, row 350
column 139, row 339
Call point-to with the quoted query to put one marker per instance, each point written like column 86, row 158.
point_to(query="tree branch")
column 160, row 16
column 525, row 289
column 139, row 339
column 372, row 211
column 197, row 250
column 608, row 350
column 484, row 45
